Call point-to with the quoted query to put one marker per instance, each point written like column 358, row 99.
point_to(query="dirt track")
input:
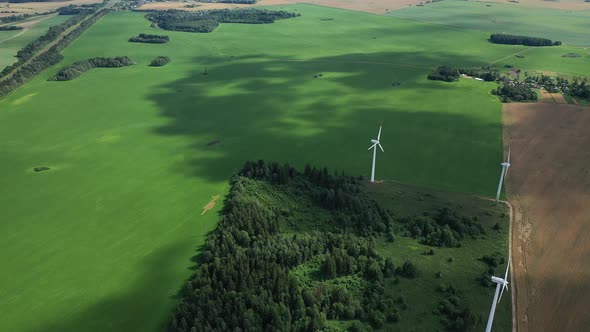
column 548, row 185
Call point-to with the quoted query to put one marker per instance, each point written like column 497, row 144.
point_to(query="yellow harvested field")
column 38, row 7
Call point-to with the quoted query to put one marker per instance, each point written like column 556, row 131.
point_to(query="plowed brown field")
column 549, row 187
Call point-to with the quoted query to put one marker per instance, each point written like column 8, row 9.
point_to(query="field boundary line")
column 511, row 55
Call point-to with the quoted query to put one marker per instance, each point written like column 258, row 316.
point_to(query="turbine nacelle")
column 499, row 280
column 374, row 141
column 505, row 164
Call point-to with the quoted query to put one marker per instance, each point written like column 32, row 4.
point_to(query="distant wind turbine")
column 374, row 146
column 505, row 166
column 500, row 284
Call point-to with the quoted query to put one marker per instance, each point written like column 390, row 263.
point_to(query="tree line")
column 76, row 69
column 515, row 91
column 150, row 39
column 209, row 20
column 247, row 2
column 47, row 58
column 501, row 38
column 10, row 28
column 29, row 50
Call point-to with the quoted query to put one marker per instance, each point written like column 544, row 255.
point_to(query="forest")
column 500, row 38
column 46, row 59
column 76, row 69
column 209, row 20
column 294, row 250
column 150, row 39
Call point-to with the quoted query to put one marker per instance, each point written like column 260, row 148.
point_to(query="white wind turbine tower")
column 500, row 283
column 374, row 146
column 505, row 166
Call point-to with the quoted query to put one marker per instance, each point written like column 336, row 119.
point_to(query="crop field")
column 568, row 26
column 103, row 239
column 12, row 41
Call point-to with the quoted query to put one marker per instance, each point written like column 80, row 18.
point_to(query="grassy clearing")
column 565, row 25
column 135, row 153
column 9, row 44
column 462, row 272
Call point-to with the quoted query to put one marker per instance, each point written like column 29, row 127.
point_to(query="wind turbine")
column 500, row 283
column 505, row 166
column 374, row 146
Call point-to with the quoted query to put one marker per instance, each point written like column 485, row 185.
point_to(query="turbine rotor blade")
column 505, row 286
column 509, row 155
column 381, row 147
column 379, row 135
column 372, row 146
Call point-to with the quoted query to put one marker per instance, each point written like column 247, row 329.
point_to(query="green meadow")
column 12, row 41
column 568, row 26
column 104, row 239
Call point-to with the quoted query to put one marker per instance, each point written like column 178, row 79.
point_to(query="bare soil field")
column 552, row 98
column 38, row 7
column 549, row 188
column 369, row 6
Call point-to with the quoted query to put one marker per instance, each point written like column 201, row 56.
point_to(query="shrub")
column 160, row 61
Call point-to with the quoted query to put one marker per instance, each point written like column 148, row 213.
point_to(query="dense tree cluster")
column 245, row 280
column 10, row 28
column 150, row 39
column 76, row 69
column 445, row 228
column 501, row 38
column 160, row 61
column 515, row 91
column 579, row 88
column 456, row 317
column 353, row 210
column 209, row 20
column 47, row 58
column 444, row 73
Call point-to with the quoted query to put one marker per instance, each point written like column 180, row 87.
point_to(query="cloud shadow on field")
column 257, row 107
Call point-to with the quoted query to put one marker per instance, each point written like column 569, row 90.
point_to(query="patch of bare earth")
column 369, row 6
column 549, row 187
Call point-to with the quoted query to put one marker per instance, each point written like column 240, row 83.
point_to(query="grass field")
column 12, row 41
column 567, row 26
column 102, row 241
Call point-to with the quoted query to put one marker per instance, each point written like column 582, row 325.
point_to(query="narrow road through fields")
column 511, row 55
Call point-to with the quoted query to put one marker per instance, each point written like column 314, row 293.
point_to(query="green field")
column 9, row 44
column 103, row 240
column 570, row 27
